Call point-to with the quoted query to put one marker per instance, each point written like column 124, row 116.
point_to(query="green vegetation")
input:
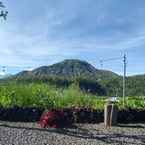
column 47, row 96
column 71, row 83
column 66, row 73
column 92, row 80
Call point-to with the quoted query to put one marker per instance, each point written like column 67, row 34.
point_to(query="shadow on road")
column 82, row 133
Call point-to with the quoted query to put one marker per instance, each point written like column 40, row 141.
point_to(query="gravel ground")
column 81, row 134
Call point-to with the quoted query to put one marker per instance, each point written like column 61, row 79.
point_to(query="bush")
column 53, row 118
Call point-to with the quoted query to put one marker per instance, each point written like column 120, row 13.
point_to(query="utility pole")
column 124, row 72
column 124, row 77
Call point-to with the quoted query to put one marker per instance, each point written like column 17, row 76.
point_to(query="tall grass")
column 30, row 95
column 46, row 96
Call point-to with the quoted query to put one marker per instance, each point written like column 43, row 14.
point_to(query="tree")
column 1, row 5
column 3, row 13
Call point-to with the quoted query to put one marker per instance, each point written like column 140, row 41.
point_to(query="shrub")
column 53, row 118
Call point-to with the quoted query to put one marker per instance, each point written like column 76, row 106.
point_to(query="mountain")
column 67, row 72
column 70, row 68
column 89, row 78
column 135, row 85
column 2, row 76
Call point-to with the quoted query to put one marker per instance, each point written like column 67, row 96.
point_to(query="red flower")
column 52, row 118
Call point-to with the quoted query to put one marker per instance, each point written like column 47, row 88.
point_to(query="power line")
column 110, row 59
column 16, row 66
column 4, row 68
column 124, row 71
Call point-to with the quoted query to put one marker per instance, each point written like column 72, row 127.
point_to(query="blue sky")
column 43, row 32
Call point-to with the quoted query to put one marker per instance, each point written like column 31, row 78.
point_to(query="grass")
column 46, row 96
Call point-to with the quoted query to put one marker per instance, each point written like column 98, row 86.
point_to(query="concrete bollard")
column 110, row 115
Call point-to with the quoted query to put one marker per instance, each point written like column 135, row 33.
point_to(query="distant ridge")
column 69, row 68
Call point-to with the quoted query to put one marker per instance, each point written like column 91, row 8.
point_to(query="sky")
column 44, row 32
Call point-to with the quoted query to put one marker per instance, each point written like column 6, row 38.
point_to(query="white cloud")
column 74, row 29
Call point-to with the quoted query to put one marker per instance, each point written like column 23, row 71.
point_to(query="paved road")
column 80, row 134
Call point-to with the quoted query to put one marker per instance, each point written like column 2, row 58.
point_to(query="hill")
column 135, row 85
column 4, row 76
column 68, row 72
column 69, row 69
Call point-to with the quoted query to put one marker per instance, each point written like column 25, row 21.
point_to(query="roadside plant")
column 52, row 118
